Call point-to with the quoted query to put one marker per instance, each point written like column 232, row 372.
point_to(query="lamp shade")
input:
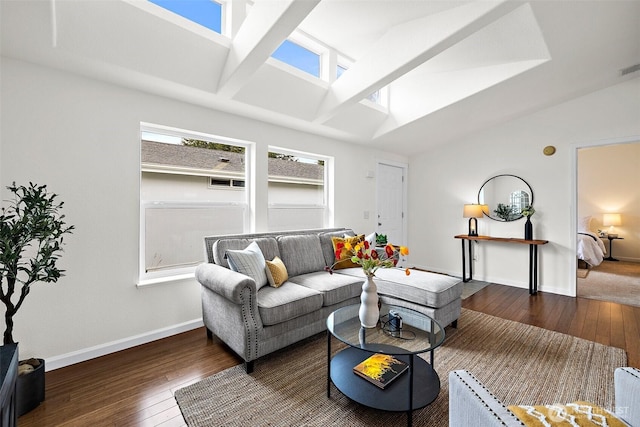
column 472, row 211
column 611, row 219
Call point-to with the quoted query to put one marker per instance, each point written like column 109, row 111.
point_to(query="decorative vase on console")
column 528, row 211
column 370, row 258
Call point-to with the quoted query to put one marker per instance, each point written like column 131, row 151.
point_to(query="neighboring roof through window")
column 212, row 162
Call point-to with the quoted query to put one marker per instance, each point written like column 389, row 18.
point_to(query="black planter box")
column 30, row 390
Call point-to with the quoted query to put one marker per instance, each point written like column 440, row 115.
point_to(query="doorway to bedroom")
column 608, row 223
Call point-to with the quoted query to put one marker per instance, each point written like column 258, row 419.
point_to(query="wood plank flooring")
column 135, row 387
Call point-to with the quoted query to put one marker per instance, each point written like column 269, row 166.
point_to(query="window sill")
column 165, row 279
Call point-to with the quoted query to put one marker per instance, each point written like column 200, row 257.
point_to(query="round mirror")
column 505, row 197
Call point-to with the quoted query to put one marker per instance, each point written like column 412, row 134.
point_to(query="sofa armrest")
column 471, row 404
column 627, row 394
column 225, row 282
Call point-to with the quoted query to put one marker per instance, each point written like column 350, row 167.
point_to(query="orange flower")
column 404, row 250
column 407, row 272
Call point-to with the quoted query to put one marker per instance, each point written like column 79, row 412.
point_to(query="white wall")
column 81, row 138
column 608, row 182
column 444, row 179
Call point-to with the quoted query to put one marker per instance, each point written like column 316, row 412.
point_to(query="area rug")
column 617, row 282
column 517, row 362
column 472, row 287
column 582, row 273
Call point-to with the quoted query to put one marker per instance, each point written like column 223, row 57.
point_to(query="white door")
column 390, row 202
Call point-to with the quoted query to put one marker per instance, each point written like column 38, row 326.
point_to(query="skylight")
column 299, row 57
column 207, row 13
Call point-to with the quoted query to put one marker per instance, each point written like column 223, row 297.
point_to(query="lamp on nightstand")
column 472, row 211
column 610, row 220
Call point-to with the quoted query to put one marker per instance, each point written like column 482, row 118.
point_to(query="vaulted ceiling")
column 451, row 67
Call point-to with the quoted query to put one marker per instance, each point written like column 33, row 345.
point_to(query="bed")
column 590, row 248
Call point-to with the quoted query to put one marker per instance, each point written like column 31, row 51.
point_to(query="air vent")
column 629, row 70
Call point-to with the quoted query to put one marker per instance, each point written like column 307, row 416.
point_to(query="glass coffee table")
column 413, row 389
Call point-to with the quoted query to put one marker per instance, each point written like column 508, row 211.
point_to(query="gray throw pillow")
column 250, row 262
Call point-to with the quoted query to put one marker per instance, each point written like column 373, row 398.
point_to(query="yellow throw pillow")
column 345, row 256
column 276, row 272
column 584, row 413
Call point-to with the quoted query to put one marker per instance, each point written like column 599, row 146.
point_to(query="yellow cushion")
column 345, row 256
column 276, row 272
column 585, row 414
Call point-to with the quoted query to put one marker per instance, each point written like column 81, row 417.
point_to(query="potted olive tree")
column 31, row 239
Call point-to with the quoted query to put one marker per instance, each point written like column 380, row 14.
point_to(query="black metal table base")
column 533, row 266
column 413, row 390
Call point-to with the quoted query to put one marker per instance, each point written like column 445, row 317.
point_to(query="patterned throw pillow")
column 577, row 413
column 250, row 262
column 344, row 261
column 276, row 272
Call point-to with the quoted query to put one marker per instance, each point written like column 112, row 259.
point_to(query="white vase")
column 369, row 312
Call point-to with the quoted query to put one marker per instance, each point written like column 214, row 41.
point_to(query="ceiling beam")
column 406, row 46
column 267, row 25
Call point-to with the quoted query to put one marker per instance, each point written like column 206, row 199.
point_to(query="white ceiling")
column 452, row 67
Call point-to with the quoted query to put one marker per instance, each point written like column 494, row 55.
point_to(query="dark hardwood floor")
column 135, row 387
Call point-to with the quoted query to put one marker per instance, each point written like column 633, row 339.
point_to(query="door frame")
column 405, row 182
column 574, row 194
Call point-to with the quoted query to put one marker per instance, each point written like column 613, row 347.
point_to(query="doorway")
column 391, row 201
column 606, row 176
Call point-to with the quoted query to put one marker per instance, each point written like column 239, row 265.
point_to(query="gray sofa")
column 471, row 404
column 254, row 321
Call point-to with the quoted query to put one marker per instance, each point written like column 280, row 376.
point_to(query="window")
column 207, row 13
column 191, row 185
column 340, row 70
column 298, row 190
column 299, row 57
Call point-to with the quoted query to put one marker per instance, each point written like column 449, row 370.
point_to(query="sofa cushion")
column 420, row 287
column 334, row 288
column 578, row 413
column 301, row 253
column 344, row 261
column 287, row 302
column 250, row 262
column 327, row 246
column 268, row 246
column 276, row 272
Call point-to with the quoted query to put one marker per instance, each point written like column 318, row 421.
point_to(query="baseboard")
column 83, row 355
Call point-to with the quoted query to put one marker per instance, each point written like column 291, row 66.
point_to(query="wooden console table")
column 533, row 256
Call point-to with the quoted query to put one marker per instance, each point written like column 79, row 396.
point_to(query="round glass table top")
column 418, row 333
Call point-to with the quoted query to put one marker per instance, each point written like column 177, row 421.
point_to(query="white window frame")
column 328, row 185
column 180, row 273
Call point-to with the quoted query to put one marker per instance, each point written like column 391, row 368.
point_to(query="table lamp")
column 472, row 211
column 611, row 219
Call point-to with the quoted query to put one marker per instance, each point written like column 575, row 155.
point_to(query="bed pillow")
column 584, row 223
column 250, row 262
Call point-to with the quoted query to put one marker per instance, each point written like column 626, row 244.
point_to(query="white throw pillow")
column 371, row 238
column 249, row 261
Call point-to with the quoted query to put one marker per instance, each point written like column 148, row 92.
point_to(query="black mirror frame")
column 497, row 176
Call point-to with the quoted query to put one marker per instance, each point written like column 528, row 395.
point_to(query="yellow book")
column 380, row 369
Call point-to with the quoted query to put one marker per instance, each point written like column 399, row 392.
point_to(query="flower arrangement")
column 368, row 257
column 528, row 211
